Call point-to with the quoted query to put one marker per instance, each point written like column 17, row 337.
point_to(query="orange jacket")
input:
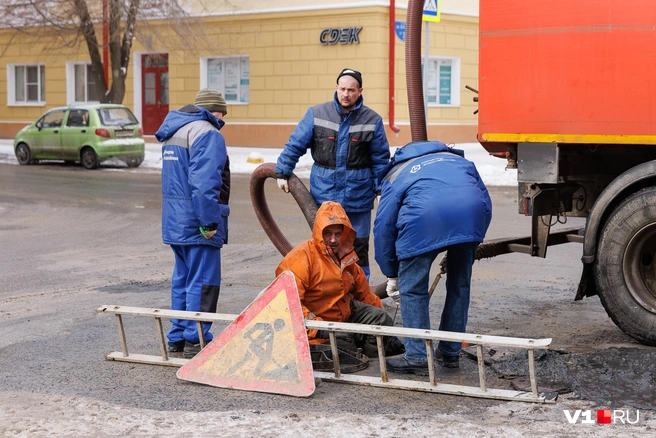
column 325, row 283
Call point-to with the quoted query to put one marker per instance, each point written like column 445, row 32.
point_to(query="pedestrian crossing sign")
column 264, row 349
column 431, row 11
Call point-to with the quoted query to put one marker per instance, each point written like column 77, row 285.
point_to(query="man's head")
column 332, row 236
column 349, row 88
column 212, row 101
column 332, row 228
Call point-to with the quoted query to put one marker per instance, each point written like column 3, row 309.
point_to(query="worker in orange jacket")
column 331, row 285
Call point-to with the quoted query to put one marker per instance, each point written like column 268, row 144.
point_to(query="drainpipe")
column 392, row 42
column 105, row 34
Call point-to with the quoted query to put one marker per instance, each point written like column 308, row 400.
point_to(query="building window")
column 230, row 76
column 80, row 83
column 26, row 84
column 85, row 85
column 443, row 82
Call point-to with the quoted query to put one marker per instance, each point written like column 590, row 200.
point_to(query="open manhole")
column 349, row 361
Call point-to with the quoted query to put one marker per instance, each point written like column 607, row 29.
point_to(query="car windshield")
column 116, row 117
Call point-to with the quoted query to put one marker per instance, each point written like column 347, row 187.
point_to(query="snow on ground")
column 491, row 169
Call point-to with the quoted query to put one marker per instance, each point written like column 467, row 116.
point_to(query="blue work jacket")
column 195, row 177
column 432, row 197
column 349, row 150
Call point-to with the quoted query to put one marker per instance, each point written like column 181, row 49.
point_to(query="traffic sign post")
column 431, row 13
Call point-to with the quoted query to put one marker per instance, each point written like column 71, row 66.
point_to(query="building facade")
column 271, row 64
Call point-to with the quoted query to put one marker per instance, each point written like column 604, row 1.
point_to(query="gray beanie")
column 211, row 100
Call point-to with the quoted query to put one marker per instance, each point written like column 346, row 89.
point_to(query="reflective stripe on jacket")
column 195, row 177
column 349, row 150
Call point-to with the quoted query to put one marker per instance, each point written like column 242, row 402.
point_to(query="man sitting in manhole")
column 332, row 287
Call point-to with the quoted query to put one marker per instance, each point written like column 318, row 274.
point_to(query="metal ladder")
column 432, row 385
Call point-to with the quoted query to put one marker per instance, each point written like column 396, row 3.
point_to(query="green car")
column 89, row 134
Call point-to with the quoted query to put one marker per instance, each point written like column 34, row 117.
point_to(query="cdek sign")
column 346, row 35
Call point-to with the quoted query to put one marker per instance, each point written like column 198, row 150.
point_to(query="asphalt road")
column 73, row 240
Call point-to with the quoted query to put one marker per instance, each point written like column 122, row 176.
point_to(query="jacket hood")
column 417, row 149
column 176, row 119
column 358, row 104
column 332, row 213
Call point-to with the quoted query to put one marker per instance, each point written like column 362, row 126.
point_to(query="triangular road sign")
column 264, row 349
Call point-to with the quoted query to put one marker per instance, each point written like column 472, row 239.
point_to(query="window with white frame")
column 228, row 75
column 80, row 83
column 26, row 84
column 443, row 81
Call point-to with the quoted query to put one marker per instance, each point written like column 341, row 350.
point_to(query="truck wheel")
column 625, row 266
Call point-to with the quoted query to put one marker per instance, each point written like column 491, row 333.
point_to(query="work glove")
column 283, row 184
column 207, row 233
column 393, row 289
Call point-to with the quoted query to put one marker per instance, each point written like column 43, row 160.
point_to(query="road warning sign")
column 264, row 349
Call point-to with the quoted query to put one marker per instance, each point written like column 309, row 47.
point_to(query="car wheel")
column 89, row 158
column 133, row 162
column 24, row 154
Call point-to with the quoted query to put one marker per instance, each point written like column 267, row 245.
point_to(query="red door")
column 155, row 91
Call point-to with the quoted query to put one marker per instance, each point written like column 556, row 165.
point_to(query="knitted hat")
column 211, row 100
column 349, row 72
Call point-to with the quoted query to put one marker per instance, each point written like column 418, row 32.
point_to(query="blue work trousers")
column 413, row 287
column 195, row 288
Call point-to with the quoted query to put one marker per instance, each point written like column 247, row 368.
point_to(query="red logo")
column 603, row 417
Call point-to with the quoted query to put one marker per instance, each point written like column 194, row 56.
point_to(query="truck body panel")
column 567, row 71
column 567, row 96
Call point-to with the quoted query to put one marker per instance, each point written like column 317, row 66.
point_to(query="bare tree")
column 69, row 23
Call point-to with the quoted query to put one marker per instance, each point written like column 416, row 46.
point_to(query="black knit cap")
column 353, row 73
column 211, row 100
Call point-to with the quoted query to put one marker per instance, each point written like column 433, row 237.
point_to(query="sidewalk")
column 491, row 169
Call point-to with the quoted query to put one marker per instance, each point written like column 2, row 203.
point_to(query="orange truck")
column 567, row 95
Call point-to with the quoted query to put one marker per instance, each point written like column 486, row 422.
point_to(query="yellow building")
column 270, row 62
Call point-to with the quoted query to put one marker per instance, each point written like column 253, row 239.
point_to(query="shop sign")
column 346, row 35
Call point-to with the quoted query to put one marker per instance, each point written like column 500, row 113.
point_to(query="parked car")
column 89, row 133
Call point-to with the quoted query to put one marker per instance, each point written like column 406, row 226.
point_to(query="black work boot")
column 402, row 365
column 446, row 360
column 191, row 350
column 394, row 347
column 176, row 347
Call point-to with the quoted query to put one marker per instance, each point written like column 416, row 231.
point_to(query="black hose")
column 413, row 71
column 298, row 190
column 304, row 200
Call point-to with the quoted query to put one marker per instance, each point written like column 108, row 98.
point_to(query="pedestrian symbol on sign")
column 431, row 11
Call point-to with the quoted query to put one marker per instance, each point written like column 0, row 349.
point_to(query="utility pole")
column 105, row 42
